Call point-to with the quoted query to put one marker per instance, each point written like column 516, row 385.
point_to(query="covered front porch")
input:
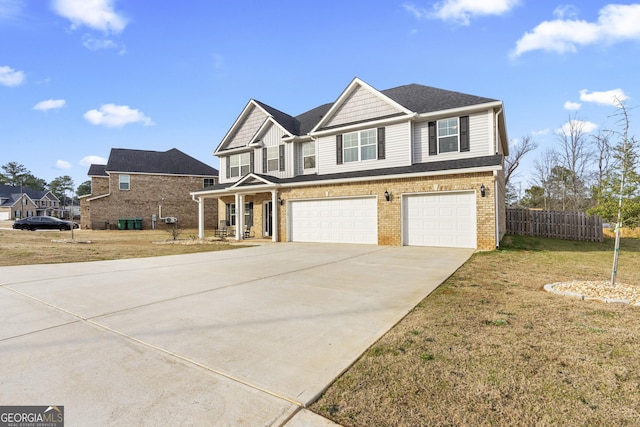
column 246, row 209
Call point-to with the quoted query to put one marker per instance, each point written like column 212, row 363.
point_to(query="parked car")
column 43, row 222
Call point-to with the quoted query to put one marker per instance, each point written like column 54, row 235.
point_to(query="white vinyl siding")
column 272, row 139
column 397, row 152
column 361, row 105
column 480, row 140
column 348, row 220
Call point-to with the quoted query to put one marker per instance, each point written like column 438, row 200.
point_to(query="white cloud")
column 112, row 115
column 96, row 14
column 615, row 23
column 609, row 97
column 417, row 12
column 572, row 106
column 49, row 104
column 93, row 160
column 565, row 11
column 461, row 11
column 10, row 77
column 63, row 164
column 541, row 132
column 584, row 126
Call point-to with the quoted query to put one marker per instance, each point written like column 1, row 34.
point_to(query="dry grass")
column 48, row 247
column 490, row 347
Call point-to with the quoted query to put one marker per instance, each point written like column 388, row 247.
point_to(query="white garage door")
column 4, row 215
column 334, row 220
column 447, row 220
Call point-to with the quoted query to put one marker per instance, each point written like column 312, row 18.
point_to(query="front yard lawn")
column 490, row 347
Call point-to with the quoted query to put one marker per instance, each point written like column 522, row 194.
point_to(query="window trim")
column 121, row 181
column 273, row 153
column 440, row 138
column 306, row 144
column 372, row 141
column 240, row 165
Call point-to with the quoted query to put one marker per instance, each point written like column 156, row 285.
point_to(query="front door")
column 268, row 219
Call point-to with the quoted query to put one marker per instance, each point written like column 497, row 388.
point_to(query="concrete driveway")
column 245, row 337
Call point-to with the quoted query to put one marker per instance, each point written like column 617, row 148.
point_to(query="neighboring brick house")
column 148, row 185
column 19, row 203
column 412, row 165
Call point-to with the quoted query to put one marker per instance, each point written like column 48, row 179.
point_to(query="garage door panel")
column 334, row 220
column 447, row 220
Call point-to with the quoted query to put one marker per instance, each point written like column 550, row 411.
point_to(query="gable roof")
column 12, row 194
column 98, row 170
column 411, row 98
column 171, row 162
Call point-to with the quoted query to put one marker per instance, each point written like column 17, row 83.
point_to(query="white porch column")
column 274, row 215
column 200, row 218
column 238, row 216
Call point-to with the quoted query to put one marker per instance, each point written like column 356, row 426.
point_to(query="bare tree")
column 602, row 144
column 543, row 167
column 575, row 155
column 516, row 153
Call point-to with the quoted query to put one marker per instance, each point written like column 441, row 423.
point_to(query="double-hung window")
column 360, row 145
column 273, row 158
column 208, row 182
column 125, row 182
column 309, row 154
column 448, row 133
column 231, row 214
column 239, row 164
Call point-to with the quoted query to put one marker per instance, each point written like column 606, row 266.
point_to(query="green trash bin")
column 130, row 224
column 122, row 224
column 138, row 223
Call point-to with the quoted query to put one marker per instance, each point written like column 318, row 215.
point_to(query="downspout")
column 495, row 181
column 497, row 133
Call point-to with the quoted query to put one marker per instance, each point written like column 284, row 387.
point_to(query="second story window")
column 125, row 182
column 309, row 154
column 448, row 135
column 239, row 165
column 361, row 145
column 273, row 156
column 208, row 182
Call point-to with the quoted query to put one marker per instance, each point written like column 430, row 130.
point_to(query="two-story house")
column 153, row 186
column 412, row 165
column 16, row 202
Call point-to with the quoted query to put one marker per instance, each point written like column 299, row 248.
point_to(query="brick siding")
column 142, row 200
column 389, row 213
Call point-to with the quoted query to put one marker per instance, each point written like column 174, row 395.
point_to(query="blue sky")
column 79, row 77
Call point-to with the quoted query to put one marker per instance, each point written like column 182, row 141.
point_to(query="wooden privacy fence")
column 556, row 224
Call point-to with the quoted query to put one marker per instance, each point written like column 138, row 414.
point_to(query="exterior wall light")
column 387, row 196
column 483, row 190
column 280, row 200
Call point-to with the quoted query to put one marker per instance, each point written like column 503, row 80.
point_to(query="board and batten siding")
column 247, row 128
column 273, row 138
column 480, row 140
column 397, row 152
column 360, row 105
